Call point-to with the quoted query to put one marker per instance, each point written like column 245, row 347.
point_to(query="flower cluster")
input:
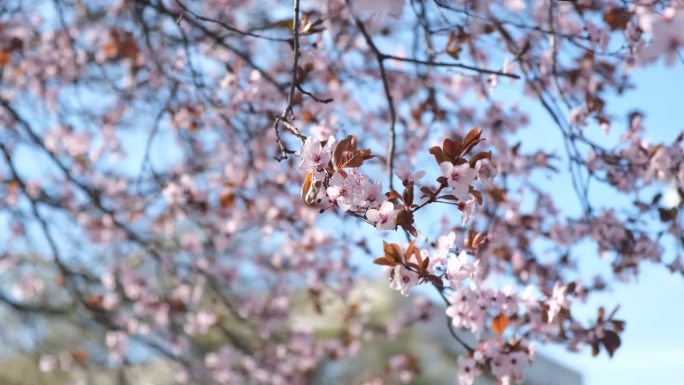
column 333, row 173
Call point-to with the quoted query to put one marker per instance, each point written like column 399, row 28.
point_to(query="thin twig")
column 454, row 65
column 219, row 40
column 295, row 60
column 227, row 26
column 448, row 320
column 312, row 96
column 380, row 58
column 283, row 118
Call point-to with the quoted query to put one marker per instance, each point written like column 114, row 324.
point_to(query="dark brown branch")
column 448, row 320
column 227, row 26
column 380, row 58
column 454, row 65
column 295, row 60
column 312, row 96
column 287, row 112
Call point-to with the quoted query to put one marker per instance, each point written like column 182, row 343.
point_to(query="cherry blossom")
column 371, row 194
column 485, row 171
column 458, row 269
column 385, row 218
column 467, row 208
column 406, row 175
column 315, row 156
column 402, row 279
column 458, row 177
column 557, row 301
column 444, row 245
column 467, row 370
column 342, row 191
column 668, row 35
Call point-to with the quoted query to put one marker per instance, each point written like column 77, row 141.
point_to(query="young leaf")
column 408, row 195
column 384, row 261
column 611, row 341
column 499, row 323
column 451, row 149
column 480, row 155
column 392, row 251
column 437, row 152
column 306, row 188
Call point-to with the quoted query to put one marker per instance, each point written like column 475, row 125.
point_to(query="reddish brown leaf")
column 449, row 197
column 408, row 195
column 227, row 199
column 427, row 191
column 177, row 305
column 470, row 141
column 393, row 195
column 79, row 356
column 437, row 152
column 476, row 241
column 595, row 349
column 384, row 261
column 611, row 341
column 477, row 195
column 472, row 135
column 405, row 219
column 345, row 153
column 5, row 57
column 425, row 264
column 453, row 47
column 667, row 215
column 435, row 281
column 618, row 325
column 412, row 230
column 451, row 149
column 393, row 251
column 480, row 155
column 310, row 189
column 409, row 251
column 497, row 194
column 617, row 18
column 94, row 302
column 499, row 323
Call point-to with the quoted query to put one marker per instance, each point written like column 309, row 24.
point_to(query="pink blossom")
column 371, row 194
column 485, row 171
column 315, row 156
column 659, row 165
column 200, row 322
column 458, row 269
column 404, row 173
column 444, row 245
column 116, row 342
column 467, row 208
column 402, row 279
column 557, row 301
column 501, row 365
column 467, row 309
column 458, row 178
column 467, row 370
column 518, row 361
column 341, row 191
column 668, row 36
column 385, row 218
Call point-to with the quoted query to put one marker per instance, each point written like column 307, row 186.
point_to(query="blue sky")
column 653, row 343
